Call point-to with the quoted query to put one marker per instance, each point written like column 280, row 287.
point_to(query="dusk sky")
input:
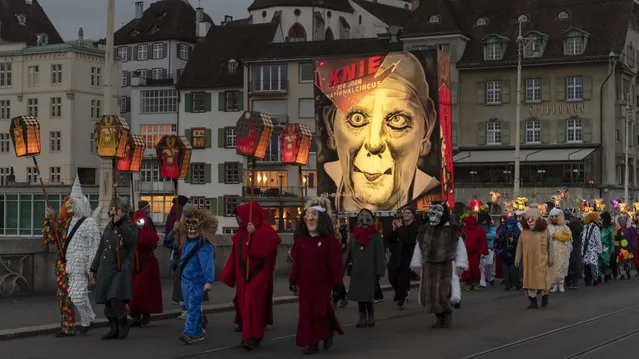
column 69, row 15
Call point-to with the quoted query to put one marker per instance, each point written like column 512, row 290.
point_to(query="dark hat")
column 182, row 200
column 411, row 209
column 142, row 205
column 568, row 214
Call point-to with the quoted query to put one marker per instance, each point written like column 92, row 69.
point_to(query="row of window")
column 157, row 73
column 55, row 143
column 535, row 90
column 55, row 108
column 498, row 133
column 158, row 50
column 228, row 101
column 534, row 44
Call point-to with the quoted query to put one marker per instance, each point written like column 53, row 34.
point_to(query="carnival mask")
column 310, row 219
column 70, row 203
column 435, row 214
column 554, row 219
column 192, row 227
column 365, row 219
column 532, row 222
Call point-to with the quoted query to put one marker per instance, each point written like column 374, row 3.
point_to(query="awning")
column 526, row 156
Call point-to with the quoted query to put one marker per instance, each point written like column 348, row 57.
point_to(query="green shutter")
column 207, row 138
column 453, row 92
column 213, row 207
column 561, row 131
column 221, row 101
column 481, row 133
column 545, row 89
column 587, row 84
column 560, row 88
column 505, row 132
column 242, row 174
column 241, row 101
column 221, row 138
column 220, row 173
column 586, row 131
column 505, row 91
column 188, row 133
column 220, row 206
column 188, row 102
column 545, row 131
column 481, row 92
column 207, row 173
column 207, row 102
column 188, row 176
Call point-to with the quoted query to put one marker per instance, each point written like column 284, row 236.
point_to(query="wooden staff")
column 118, row 236
column 56, row 234
column 299, row 171
column 250, row 218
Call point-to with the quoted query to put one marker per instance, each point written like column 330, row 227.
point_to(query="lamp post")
column 520, row 42
column 629, row 121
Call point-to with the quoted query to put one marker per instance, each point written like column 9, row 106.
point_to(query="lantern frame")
column 132, row 161
column 180, row 147
column 115, row 129
column 262, row 126
column 25, row 136
column 300, row 137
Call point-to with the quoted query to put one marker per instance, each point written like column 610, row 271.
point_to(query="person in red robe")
column 477, row 248
column 316, row 271
column 146, row 296
column 254, row 248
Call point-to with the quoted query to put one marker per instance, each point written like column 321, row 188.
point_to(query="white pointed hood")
column 76, row 190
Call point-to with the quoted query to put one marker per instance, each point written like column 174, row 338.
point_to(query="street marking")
column 604, row 344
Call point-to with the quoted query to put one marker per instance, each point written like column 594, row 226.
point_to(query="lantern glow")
column 295, row 144
column 636, row 206
column 520, row 203
column 556, row 200
column 475, row 205
column 599, row 205
column 624, row 207
column 134, row 152
column 543, row 208
column 615, row 203
column 174, row 153
column 563, row 192
column 253, row 134
column 112, row 135
column 25, row 135
column 495, row 196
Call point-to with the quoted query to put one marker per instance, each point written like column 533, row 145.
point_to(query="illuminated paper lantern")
column 174, row 153
column 25, row 135
column 112, row 136
column 132, row 160
column 520, row 203
column 253, row 134
column 615, row 203
column 543, row 208
column 495, row 196
column 563, row 192
column 295, row 144
column 475, row 204
column 624, row 207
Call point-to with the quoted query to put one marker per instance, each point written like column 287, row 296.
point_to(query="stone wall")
column 27, row 265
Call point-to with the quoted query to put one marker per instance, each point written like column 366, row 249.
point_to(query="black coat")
column 575, row 267
column 402, row 245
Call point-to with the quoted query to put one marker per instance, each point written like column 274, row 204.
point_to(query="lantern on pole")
column 295, row 146
column 475, row 205
column 615, row 203
column 174, row 153
column 132, row 161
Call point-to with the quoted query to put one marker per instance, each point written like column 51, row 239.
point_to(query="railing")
column 154, row 187
column 273, row 193
column 265, row 87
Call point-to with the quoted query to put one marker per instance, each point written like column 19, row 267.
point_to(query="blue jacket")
column 491, row 234
column 510, row 225
column 200, row 268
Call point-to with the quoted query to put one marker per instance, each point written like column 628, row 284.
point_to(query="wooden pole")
column 116, row 205
column 56, row 235
column 299, row 172
column 132, row 194
column 250, row 215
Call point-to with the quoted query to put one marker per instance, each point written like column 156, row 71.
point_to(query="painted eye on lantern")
column 357, row 119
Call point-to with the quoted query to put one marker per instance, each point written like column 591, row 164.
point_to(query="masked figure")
column 437, row 243
column 535, row 254
column 607, row 247
column 562, row 244
column 80, row 237
column 625, row 244
column 249, row 270
column 591, row 248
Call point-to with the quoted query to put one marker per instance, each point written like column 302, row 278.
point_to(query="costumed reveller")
column 366, row 257
column 562, row 247
column 625, row 243
column 174, row 259
column 477, row 249
column 488, row 262
column 535, row 254
column 249, row 270
column 437, row 245
column 607, row 247
column 317, row 269
column 147, row 287
column 575, row 268
column 194, row 237
column 341, row 234
column 174, row 216
column 506, row 248
column 402, row 244
column 591, row 248
column 80, row 237
column 112, row 268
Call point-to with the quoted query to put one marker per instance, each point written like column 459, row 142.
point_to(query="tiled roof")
column 208, row 65
column 390, row 15
column 163, row 20
column 419, row 24
column 37, row 22
column 338, row 5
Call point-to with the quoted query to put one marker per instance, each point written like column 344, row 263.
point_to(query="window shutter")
column 213, row 207
column 220, row 172
column 545, row 132
column 522, row 132
column 207, row 102
column 454, row 133
column 149, row 51
column 207, row 138
column 220, row 206
column 129, row 53
column 505, row 91
column 188, row 133
column 481, row 92
column 587, row 82
column 453, row 92
column 221, row 101
column 207, row 173
column 545, row 89
column 128, row 78
column 240, row 100
column 165, row 52
column 188, row 102
column 561, row 131
column 188, row 176
column 221, row 138
column 481, row 133
column 505, row 132
column 453, row 52
column 135, row 53
column 165, row 74
column 586, row 131
column 560, row 88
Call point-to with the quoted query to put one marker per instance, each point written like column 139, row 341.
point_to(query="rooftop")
column 390, row 15
column 338, row 5
column 21, row 21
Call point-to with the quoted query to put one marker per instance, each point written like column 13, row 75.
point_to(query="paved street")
column 599, row 322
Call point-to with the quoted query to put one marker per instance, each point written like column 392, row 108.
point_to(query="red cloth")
column 317, row 268
column 254, row 296
column 476, row 245
column 147, row 286
column 363, row 235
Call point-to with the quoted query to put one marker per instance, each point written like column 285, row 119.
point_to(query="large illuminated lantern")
column 132, row 161
column 295, row 144
column 112, row 136
column 174, row 153
column 253, row 133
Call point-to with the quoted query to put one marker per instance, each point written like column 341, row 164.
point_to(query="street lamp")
column 520, row 42
column 629, row 120
column 473, row 173
column 280, row 176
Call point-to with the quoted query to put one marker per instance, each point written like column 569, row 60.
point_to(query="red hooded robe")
column 147, row 286
column 476, row 245
column 254, row 295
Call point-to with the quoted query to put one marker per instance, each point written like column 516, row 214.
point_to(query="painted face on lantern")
column 435, row 214
column 365, row 219
column 310, row 219
column 70, row 203
column 192, row 227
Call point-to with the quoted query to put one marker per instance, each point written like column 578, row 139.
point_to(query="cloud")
column 70, row 15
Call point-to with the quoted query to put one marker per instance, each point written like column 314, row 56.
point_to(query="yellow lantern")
column 543, row 208
column 112, row 136
column 495, row 196
column 25, row 135
column 624, row 207
column 520, row 203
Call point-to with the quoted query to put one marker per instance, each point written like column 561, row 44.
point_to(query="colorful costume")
column 535, row 253
column 487, row 265
column 79, row 237
column 591, row 247
column 625, row 245
column 607, row 246
column 476, row 247
column 562, row 245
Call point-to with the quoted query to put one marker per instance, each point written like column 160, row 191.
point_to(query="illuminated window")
column 198, row 138
column 309, row 179
column 160, row 207
column 153, row 133
column 271, row 179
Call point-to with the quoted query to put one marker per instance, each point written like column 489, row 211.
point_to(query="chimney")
column 203, row 29
column 228, row 18
column 81, row 35
column 139, row 9
column 199, row 15
column 415, row 4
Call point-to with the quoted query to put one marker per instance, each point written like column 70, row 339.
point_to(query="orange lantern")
column 295, row 144
column 112, row 135
column 174, row 153
column 132, row 160
column 253, row 134
column 25, row 135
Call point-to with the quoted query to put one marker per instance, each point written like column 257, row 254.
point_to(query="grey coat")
column 368, row 263
column 109, row 283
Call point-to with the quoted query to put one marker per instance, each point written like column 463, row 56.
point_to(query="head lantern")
column 438, row 214
column 365, row 218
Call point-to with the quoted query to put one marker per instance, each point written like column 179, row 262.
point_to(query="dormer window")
column 435, row 19
column 495, row 48
column 42, row 39
column 482, row 21
column 232, row 66
column 135, row 32
column 22, row 20
column 535, row 44
column 575, row 42
column 154, row 29
column 563, row 15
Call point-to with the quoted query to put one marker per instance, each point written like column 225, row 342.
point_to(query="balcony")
column 279, row 120
column 273, row 194
column 276, row 87
column 153, row 187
